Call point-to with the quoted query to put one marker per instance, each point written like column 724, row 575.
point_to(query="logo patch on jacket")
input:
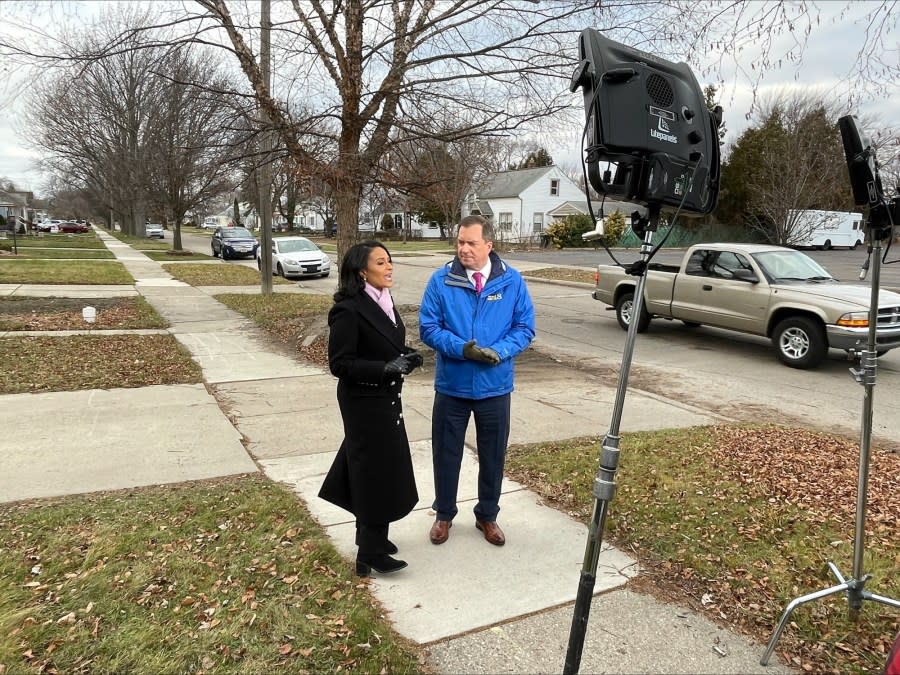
column 494, row 296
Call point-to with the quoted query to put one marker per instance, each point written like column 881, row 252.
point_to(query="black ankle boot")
column 381, row 563
column 390, row 548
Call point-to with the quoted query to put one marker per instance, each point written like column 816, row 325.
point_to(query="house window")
column 554, row 187
column 505, row 221
column 537, row 222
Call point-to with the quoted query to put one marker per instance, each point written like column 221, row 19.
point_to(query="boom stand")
column 605, row 482
column 865, row 376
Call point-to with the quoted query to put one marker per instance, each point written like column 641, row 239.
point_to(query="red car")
column 73, row 228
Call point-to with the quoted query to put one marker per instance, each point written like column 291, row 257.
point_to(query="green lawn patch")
column 739, row 520
column 68, row 363
column 221, row 274
column 226, row 576
column 88, row 240
column 172, row 256
column 271, row 311
column 141, row 242
column 57, row 253
column 28, row 271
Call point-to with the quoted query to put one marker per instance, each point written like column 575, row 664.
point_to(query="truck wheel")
column 856, row 245
column 827, row 245
column 624, row 309
column 800, row 342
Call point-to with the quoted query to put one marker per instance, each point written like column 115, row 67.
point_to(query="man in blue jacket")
column 477, row 315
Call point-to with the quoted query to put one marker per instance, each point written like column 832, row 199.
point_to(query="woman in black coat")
column 372, row 473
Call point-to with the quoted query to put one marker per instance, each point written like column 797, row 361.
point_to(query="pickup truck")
column 772, row 291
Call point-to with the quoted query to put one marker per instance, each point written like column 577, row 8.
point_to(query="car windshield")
column 236, row 233
column 295, row 245
column 791, row 266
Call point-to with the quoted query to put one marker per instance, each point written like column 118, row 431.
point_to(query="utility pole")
column 265, row 170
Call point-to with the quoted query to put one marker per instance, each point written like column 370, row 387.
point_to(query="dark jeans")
column 449, row 421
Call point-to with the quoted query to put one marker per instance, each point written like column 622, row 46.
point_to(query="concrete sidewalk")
column 474, row 607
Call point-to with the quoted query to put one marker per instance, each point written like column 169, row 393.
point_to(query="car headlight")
column 854, row 320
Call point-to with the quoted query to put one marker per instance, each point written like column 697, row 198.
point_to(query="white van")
column 825, row 230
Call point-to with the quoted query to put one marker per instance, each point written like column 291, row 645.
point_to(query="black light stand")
column 865, row 375
column 605, row 482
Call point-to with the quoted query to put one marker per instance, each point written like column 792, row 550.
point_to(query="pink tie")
column 478, row 276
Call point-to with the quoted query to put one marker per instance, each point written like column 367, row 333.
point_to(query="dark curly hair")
column 355, row 261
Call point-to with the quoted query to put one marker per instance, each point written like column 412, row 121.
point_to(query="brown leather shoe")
column 492, row 532
column 440, row 531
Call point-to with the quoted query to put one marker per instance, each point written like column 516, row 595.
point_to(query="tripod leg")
column 794, row 604
column 882, row 599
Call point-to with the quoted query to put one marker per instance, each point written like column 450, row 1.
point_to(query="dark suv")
column 233, row 242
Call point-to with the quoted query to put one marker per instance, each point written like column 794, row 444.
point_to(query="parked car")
column 233, row 242
column 297, row 257
column 154, row 231
column 49, row 226
column 72, row 228
column 212, row 222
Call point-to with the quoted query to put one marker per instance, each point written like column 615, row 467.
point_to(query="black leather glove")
column 415, row 359
column 399, row 366
column 484, row 354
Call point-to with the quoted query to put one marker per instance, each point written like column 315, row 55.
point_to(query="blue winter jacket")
column 501, row 317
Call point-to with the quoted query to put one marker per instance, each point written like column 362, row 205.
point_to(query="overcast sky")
column 827, row 59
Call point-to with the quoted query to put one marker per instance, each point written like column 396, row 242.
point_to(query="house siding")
column 536, row 198
column 533, row 198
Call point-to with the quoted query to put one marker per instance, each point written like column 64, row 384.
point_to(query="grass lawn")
column 141, row 243
column 57, row 253
column 173, row 256
column 223, row 274
column 68, row 363
column 88, row 240
column 221, row 576
column 268, row 311
column 737, row 521
column 29, row 271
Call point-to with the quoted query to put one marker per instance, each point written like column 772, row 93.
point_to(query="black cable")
column 587, row 185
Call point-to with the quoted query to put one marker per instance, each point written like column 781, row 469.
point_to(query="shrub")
column 613, row 228
column 566, row 233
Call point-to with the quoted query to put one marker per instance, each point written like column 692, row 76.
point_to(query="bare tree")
column 492, row 67
column 147, row 129
column 437, row 174
column 191, row 137
column 791, row 161
column 887, row 146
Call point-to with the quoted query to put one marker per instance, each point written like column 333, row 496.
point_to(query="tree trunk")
column 347, row 198
column 176, row 232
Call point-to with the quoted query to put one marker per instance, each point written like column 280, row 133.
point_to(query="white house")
column 602, row 210
column 519, row 203
column 15, row 207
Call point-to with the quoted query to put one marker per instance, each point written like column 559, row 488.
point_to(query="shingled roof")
column 509, row 183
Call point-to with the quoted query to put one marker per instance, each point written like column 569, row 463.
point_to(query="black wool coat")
column 372, row 473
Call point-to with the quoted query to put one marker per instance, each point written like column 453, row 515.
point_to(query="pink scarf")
column 383, row 299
